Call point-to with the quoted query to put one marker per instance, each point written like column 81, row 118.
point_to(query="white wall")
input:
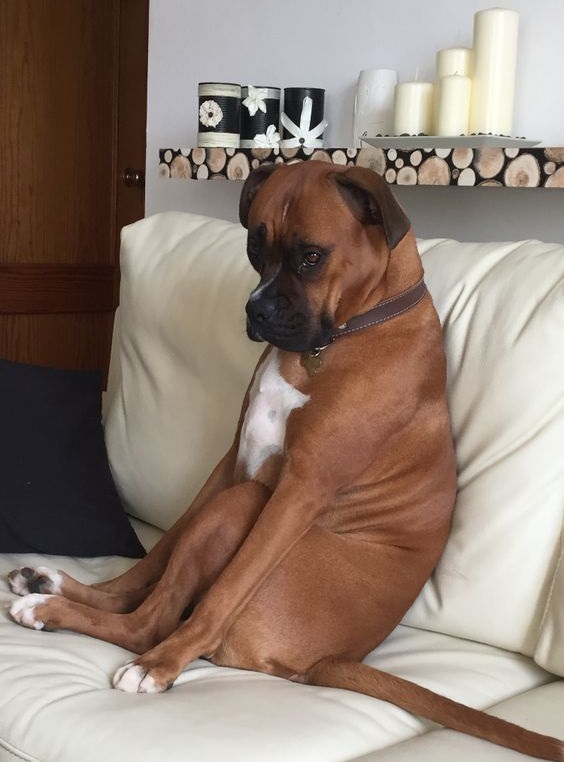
column 324, row 43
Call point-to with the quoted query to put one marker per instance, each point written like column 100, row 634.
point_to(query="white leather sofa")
column 488, row 628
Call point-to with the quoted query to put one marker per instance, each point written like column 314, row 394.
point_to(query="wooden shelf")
column 461, row 166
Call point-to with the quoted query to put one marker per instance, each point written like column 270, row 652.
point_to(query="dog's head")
column 320, row 237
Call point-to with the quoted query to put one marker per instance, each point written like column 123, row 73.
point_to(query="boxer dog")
column 317, row 530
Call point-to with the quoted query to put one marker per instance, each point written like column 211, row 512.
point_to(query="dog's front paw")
column 27, row 611
column 133, row 678
column 40, row 579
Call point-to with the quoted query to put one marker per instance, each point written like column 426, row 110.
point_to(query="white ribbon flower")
column 304, row 135
column 269, row 139
column 210, row 114
column 255, row 100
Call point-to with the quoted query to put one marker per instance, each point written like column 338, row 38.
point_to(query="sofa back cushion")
column 181, row 360
column 502, row 309
column 181, row 363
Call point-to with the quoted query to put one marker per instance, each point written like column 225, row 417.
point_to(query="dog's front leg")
column 288, row 515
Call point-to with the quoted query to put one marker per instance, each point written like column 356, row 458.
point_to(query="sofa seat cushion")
column 60, row 705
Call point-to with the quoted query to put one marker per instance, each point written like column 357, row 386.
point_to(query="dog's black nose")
column 265, row 309
column 260, row 310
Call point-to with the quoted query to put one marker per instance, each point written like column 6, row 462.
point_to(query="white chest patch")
column 272, row 399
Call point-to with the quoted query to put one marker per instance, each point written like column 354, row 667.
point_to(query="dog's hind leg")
column 46, row 581
column 127, row 591
column 207, row 545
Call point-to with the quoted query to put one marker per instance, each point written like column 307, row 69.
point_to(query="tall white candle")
column 453, row 105
column 374, row 103
column 454, row 61
column 495, row 62
column 413, row 108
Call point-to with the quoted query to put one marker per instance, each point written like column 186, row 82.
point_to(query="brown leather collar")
column 382, row 312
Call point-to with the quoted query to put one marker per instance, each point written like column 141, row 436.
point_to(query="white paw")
column 23, row 610
column 40, row 579
column 132, row 678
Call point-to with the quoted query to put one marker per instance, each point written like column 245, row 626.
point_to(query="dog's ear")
column 372, row 202
column 250, row 190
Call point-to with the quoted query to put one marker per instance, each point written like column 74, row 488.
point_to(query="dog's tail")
column 353, row 676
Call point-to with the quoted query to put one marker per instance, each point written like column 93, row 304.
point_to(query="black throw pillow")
column 57, row 495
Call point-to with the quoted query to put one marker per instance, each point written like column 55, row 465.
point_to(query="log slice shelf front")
column 495, row 166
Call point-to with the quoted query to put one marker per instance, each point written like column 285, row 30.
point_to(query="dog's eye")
column 311, row 258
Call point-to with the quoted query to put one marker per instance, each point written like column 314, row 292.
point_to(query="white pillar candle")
column 413, row 108
column 374, row 103
column 495, row 63
column 454, row 61
column 450, row 61
column 453, row 105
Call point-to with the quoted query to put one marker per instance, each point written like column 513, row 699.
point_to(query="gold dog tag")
column 311, row 361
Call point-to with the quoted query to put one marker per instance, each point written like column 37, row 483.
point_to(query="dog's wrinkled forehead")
column 286, row 220
column 281, row 198
column 311, row 190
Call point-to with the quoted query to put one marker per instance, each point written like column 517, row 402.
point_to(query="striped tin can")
column 219, row 110
column 304, row 131
column 260, row 109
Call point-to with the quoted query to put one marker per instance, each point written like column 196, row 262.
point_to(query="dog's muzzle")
column 277, row 320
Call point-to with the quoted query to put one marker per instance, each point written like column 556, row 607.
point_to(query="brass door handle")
column 133, row 178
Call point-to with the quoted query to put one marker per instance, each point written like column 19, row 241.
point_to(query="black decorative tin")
column 219, row 114
column 260, row 116
column 302, row 119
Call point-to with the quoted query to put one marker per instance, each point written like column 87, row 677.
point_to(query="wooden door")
column 73, row 77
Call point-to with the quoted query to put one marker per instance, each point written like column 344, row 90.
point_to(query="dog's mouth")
column 286, row 321
column 287, row 337
column 253, row 333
